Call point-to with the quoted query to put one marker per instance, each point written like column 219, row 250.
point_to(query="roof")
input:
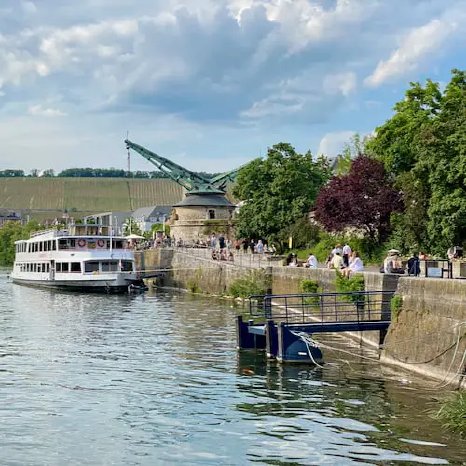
column 152, row 211
column 207, row 200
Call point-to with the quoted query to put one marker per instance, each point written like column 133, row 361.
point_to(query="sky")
column 209, row 84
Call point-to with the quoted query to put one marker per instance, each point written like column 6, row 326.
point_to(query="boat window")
column 58, row 266
column 109, row 266
column 47, row 267
column 91, row 266
column 62, row 244
column 72, row 243
column 126, row 266
column 64, row 267
column 118, row 244
column 76, row 266
column 54, row 245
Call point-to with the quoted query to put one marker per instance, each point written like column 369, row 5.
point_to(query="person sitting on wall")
column 337, row 261
column 311, row 262
column 355, row 265
column 392, row 263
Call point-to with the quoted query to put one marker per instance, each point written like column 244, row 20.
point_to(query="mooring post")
column 271, row 337
column 244, row 339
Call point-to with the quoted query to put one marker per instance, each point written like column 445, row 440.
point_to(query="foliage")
column 453, row 412
column 351, row 150
column 363, row 199
column 193, row 282
column 278, row 191
column 396, row 305
column 424, row 146
column 304, row 233
column 310, row 286
column 159, row 227
column 11, row 232
column 350, row 285
column 11, row 173
column 254, row 283
column 131, row 227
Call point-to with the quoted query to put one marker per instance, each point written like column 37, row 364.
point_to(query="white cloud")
column 332, row 143
column 256, row 69
column 420, row 43
column 39, row 110
column 344, row 83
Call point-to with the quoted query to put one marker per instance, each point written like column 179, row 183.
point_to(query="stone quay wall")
column 427, row 334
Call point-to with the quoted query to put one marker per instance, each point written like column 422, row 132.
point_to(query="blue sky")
column 209, row 84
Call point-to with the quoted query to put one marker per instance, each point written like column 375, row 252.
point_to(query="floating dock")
column 283, row 325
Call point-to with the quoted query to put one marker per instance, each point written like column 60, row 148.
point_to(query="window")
column 211, row 214
column 75, row 266
column 62, row 244
column 126, row 266
column 109, row 266
column 64, row 266
column 91, row 266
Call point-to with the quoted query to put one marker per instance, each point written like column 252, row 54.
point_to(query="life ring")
column 100, row 243
column 81, row 243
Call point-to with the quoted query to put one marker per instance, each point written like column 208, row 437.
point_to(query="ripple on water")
column 156, row 379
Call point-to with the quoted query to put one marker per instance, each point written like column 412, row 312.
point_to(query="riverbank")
column 428, row 330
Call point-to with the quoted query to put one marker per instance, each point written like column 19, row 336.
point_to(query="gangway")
column 284, row 324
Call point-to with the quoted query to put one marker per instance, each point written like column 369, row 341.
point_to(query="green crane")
column 191, row 181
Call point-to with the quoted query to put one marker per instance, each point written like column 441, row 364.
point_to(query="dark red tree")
column 362, row 199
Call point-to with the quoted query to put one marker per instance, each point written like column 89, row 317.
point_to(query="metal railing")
column 322, row 307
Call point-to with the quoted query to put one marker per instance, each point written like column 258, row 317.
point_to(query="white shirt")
column 347, row 250
column 312, row 262
column 356, row 265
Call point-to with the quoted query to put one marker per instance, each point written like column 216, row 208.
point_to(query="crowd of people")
column 345, row 260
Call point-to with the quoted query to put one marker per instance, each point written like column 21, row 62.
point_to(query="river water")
column 155, row 379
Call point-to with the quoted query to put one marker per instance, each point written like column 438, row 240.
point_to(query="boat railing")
column 54, row 231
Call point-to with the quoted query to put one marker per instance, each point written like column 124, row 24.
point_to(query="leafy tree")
column 11, row 232
column 130, row 226
column 363, row 199
column 424, row 146
column 278, row 191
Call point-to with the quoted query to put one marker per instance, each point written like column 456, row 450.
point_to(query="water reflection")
column 156, row 379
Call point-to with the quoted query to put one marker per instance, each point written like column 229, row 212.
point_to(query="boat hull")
column 103, row 286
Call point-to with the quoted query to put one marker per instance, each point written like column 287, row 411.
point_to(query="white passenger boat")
column 83, row 258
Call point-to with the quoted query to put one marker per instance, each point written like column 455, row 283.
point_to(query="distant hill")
column 50, row 197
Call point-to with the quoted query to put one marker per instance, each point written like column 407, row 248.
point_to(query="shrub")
column 310, row 286
column 255, row 283
column 453, row 413
column 396, row 304
column 350, row 285
column 193, row 282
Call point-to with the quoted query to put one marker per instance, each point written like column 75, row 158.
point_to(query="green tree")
column 130, row 227
column 424, row 147
column 11, row 232
column 277, row 191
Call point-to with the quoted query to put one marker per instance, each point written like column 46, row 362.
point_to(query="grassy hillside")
column 49, row 197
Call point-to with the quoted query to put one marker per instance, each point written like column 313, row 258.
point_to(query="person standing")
column 414, row 267
column 346, row 254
